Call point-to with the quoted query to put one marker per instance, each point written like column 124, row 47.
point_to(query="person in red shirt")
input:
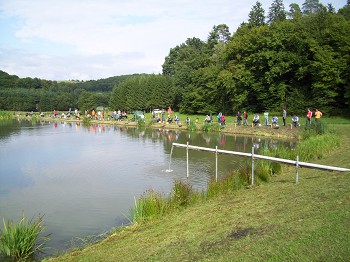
column 308, row 117
column 223, row 120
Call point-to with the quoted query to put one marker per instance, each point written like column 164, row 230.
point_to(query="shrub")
column 86, row 121
column 5, row 115
column 182, row 194
column 206, row 127
column 192, row 126
column 150, row 205
column 22, row 240
column 231, row 182
column 140, row 122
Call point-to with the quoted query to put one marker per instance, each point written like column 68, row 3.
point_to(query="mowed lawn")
column 276, row 221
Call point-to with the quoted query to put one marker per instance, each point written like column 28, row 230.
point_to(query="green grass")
column 5, row 115
column 22, row 240
column 276, row 221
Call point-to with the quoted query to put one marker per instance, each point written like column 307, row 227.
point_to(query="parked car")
column 157, row 111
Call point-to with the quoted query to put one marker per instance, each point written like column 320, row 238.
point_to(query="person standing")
column 308, row 117
column 163, row 115
column 284, row 116
column 239, row 118
column 245, row 118
column 266, row 117
column 219, row 117
column 318, row 115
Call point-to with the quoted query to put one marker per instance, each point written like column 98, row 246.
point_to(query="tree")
column 312, row 6
column 294, row 11
column 220, row 33
column 345, row 11
column 277, row 12
column 330, row 9
column 143, row 92
column 256, row 16
column 87, row 101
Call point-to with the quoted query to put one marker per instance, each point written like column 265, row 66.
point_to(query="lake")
column 84, row 179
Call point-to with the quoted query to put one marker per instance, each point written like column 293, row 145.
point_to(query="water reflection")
column 84, row 178
column 241, row 143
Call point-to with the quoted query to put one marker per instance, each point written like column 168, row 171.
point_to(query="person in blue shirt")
column 295, row 120
column 275, row 121
column 256, row 120
column 266, row 117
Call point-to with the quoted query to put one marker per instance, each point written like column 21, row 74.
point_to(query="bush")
column 140, row 122
column 150, row 205
column 21, row 241
column 231, row 182
column 192, row 126
column 4, row 115
column 86, row 121
column 206, row 127
column 182, row 194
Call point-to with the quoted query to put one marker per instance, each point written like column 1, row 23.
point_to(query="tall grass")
column 182, row 195
column 152, row 205
column 21, row 241
column 86, row 121
column 232, row 181
column 192, row 126
column 141, row 122
column 5, row 115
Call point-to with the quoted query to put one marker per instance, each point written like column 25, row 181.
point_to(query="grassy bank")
column 278, row 221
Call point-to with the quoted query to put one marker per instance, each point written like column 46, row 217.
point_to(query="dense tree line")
column 294, row 60
column 143, row 92
column 291, row 59
column 33, row 94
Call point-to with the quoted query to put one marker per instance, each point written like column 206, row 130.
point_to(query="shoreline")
column 287, row 131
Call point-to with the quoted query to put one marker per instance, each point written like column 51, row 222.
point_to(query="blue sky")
column 89, row 39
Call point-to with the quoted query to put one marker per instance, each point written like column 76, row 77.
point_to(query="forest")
column 293, row 59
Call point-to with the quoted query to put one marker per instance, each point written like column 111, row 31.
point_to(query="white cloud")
column 97, row 39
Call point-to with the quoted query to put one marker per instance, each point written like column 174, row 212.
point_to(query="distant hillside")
column 101, row 85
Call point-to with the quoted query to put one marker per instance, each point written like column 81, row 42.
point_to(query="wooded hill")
column 278, row 59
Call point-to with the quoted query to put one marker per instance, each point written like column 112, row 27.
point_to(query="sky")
column 96, row 39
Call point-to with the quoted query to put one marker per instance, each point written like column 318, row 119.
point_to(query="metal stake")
column 252, row 166
column 216, row 163
column 297, row 167
column 187, row 158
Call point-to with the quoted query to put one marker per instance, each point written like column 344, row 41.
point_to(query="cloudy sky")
column 94, row 39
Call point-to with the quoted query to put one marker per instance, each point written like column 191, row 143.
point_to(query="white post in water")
column 297, row 166
column 216, row 164
column 187, row 157
column 253, row 166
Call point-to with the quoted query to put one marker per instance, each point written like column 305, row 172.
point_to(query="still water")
column 84, row 179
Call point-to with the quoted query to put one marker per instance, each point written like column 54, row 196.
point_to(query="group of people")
column 221, row 119
column 64, row 115
column 274, row 120
column 119, row 115
column 309, row 114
